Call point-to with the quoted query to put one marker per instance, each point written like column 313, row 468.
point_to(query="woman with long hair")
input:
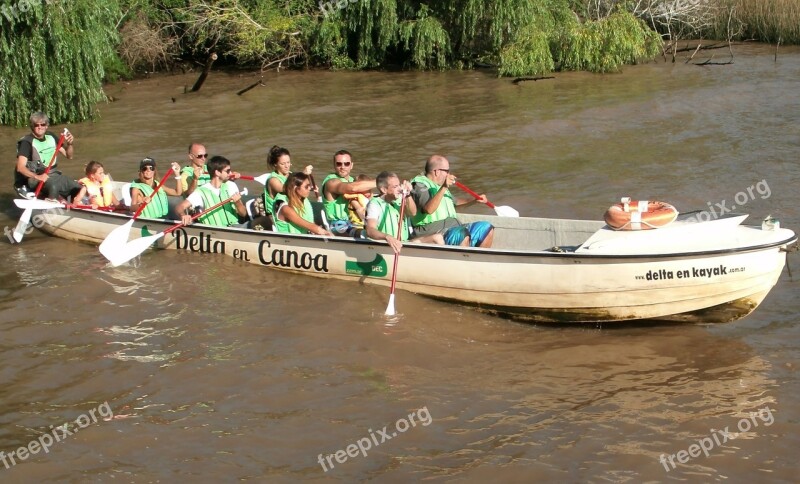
column 292, row 209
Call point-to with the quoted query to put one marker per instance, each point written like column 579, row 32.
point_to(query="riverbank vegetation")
column 54, row 54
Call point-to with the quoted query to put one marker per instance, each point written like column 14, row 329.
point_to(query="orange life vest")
column 99, row 193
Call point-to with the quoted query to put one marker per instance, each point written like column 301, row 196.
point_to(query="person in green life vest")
column 196, row 173
column 292, row 210
column 383, row 213
column 437, row 208
column 217, row 190
column 34, row 152
column 335, row 186
column 279, row 161
column 142, row 190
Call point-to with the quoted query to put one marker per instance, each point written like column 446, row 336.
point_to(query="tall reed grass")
column 762, row 20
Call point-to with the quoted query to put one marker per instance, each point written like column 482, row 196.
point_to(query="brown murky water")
column 217, row 371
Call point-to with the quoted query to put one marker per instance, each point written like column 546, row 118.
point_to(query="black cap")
column 147, row 162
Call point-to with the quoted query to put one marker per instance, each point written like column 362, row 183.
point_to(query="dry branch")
column 204, row 74
column 260, row 82
column 520, row 79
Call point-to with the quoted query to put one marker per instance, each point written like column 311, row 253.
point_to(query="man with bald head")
column 437, row 208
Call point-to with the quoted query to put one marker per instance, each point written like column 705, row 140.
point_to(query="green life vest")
column 269, row 202
column 223, row 216
column 158, row 206
column 201, row 180
column 446, row 209
column 335, row 209
column 46, row 147
column 390, row 215
column 288, row 227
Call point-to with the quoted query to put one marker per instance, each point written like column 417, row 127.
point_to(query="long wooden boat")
column 547, row 270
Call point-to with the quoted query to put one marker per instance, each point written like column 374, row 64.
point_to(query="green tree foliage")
column 605, row 45
column 52, row 57
column 425, row 40
column 520, row 37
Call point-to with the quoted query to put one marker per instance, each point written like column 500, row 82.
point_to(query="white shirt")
column 374, row 212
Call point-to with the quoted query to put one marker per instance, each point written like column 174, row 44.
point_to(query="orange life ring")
column 639, row 215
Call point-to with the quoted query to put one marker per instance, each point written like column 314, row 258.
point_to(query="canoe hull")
column 539, row 286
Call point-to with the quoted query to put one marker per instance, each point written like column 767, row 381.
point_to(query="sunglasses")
column 40, row 125
column 202, row 155
column 149, row 168
column 226, row 171
column 343, row 163
column 444, row 169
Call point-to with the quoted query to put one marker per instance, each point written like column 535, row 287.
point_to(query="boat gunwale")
column 458, row 249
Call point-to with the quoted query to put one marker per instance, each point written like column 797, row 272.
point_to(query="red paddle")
column 390, row 307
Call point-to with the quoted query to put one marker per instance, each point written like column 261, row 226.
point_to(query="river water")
column 218, row 371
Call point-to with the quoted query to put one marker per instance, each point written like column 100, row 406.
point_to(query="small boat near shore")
column 539, row 269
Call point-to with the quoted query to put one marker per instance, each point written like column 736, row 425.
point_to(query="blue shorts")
column 476, row 231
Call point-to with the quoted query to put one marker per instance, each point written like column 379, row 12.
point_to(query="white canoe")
column 547, row 270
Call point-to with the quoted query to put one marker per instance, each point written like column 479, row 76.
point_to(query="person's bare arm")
column 67, row 149
column 274, row 186
column 22, row 168
column 291, row 216
column 336, row 187
column 375, row 234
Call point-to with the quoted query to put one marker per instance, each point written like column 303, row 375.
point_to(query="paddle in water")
column 120, row 254
column 390, row 307
column 24, row 220
column 503, row 211
column 120, row 235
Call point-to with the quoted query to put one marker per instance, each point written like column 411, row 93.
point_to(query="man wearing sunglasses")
column 335, row 186
column 217, row 190
column 437, row 208
column 35, row 152
column 195, row 174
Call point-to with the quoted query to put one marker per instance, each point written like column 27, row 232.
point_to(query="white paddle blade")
column 390, row 308
column 506, row 211
column 22, row 225
column 36, row 204
column 118, row 255
column 117, row 238
column 262, row 179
